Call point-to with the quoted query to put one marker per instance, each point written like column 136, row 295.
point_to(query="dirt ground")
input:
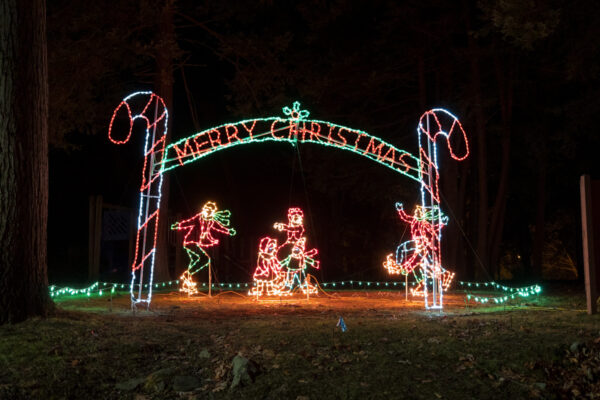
column 184, row 348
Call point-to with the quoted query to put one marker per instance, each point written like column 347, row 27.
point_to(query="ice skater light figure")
column 280, row 270
column 269, row 278
column 296, row 264
column 416, row 255
column 436, row 125
column 294, row 228
column 297, row 259
column 199, row 236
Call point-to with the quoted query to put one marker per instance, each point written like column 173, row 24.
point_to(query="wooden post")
column 589, row 256
column 95, row 234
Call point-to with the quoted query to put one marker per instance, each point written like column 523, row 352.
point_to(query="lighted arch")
column 294, row 127
column 290, row 130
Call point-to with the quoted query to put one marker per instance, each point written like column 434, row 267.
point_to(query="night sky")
column 373, row 66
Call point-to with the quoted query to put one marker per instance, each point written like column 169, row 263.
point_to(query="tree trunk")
column 480, row 135
column 164, row 88
column 461, row 221
column 538, row 235
column 505, row 92
column 23, row 160
column 422, row 82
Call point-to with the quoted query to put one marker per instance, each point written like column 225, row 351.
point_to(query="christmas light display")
column 500, row 299
column 187, row 284
column 294, row 229
column 198, row 236
column 296, row 264
column 280, row 270
column 297, row 259
column 434, row 124
column 294, row 128
column 445, row 280
column 151, row 109
column 509, row 293
column 365, row 284
column 498, row 286
column 97, row 287
column 414, row 256
column 269, row 278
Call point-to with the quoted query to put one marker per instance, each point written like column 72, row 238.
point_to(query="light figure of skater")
column 420, row 255
column 269, row 278
column 198, row 236
column 296, row 264
column 294, row 229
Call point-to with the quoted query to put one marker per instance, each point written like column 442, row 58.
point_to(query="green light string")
column 511, row 293
column 498, row 300
column 101, row 287
column 365, row 284
column 498, row 286
column 58, row 291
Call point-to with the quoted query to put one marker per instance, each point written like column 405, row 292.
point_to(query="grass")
column 95, row 347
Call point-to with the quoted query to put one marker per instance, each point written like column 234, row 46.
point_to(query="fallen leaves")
column 576, row 373
column 221, row 370
column 297, row 353
column 130, row 384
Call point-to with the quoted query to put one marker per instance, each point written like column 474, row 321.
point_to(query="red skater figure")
column 198, row 236
column 420, row 254
column 268, row 276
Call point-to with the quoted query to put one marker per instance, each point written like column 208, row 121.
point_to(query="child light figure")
column 296, row 264
column 268, row 276
column 282, row 269
column 420, row 255
column 294, row 228
column 298, row 259
column 198, row 236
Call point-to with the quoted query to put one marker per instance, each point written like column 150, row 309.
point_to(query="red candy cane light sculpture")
column 433, row 124
column 151, row 109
